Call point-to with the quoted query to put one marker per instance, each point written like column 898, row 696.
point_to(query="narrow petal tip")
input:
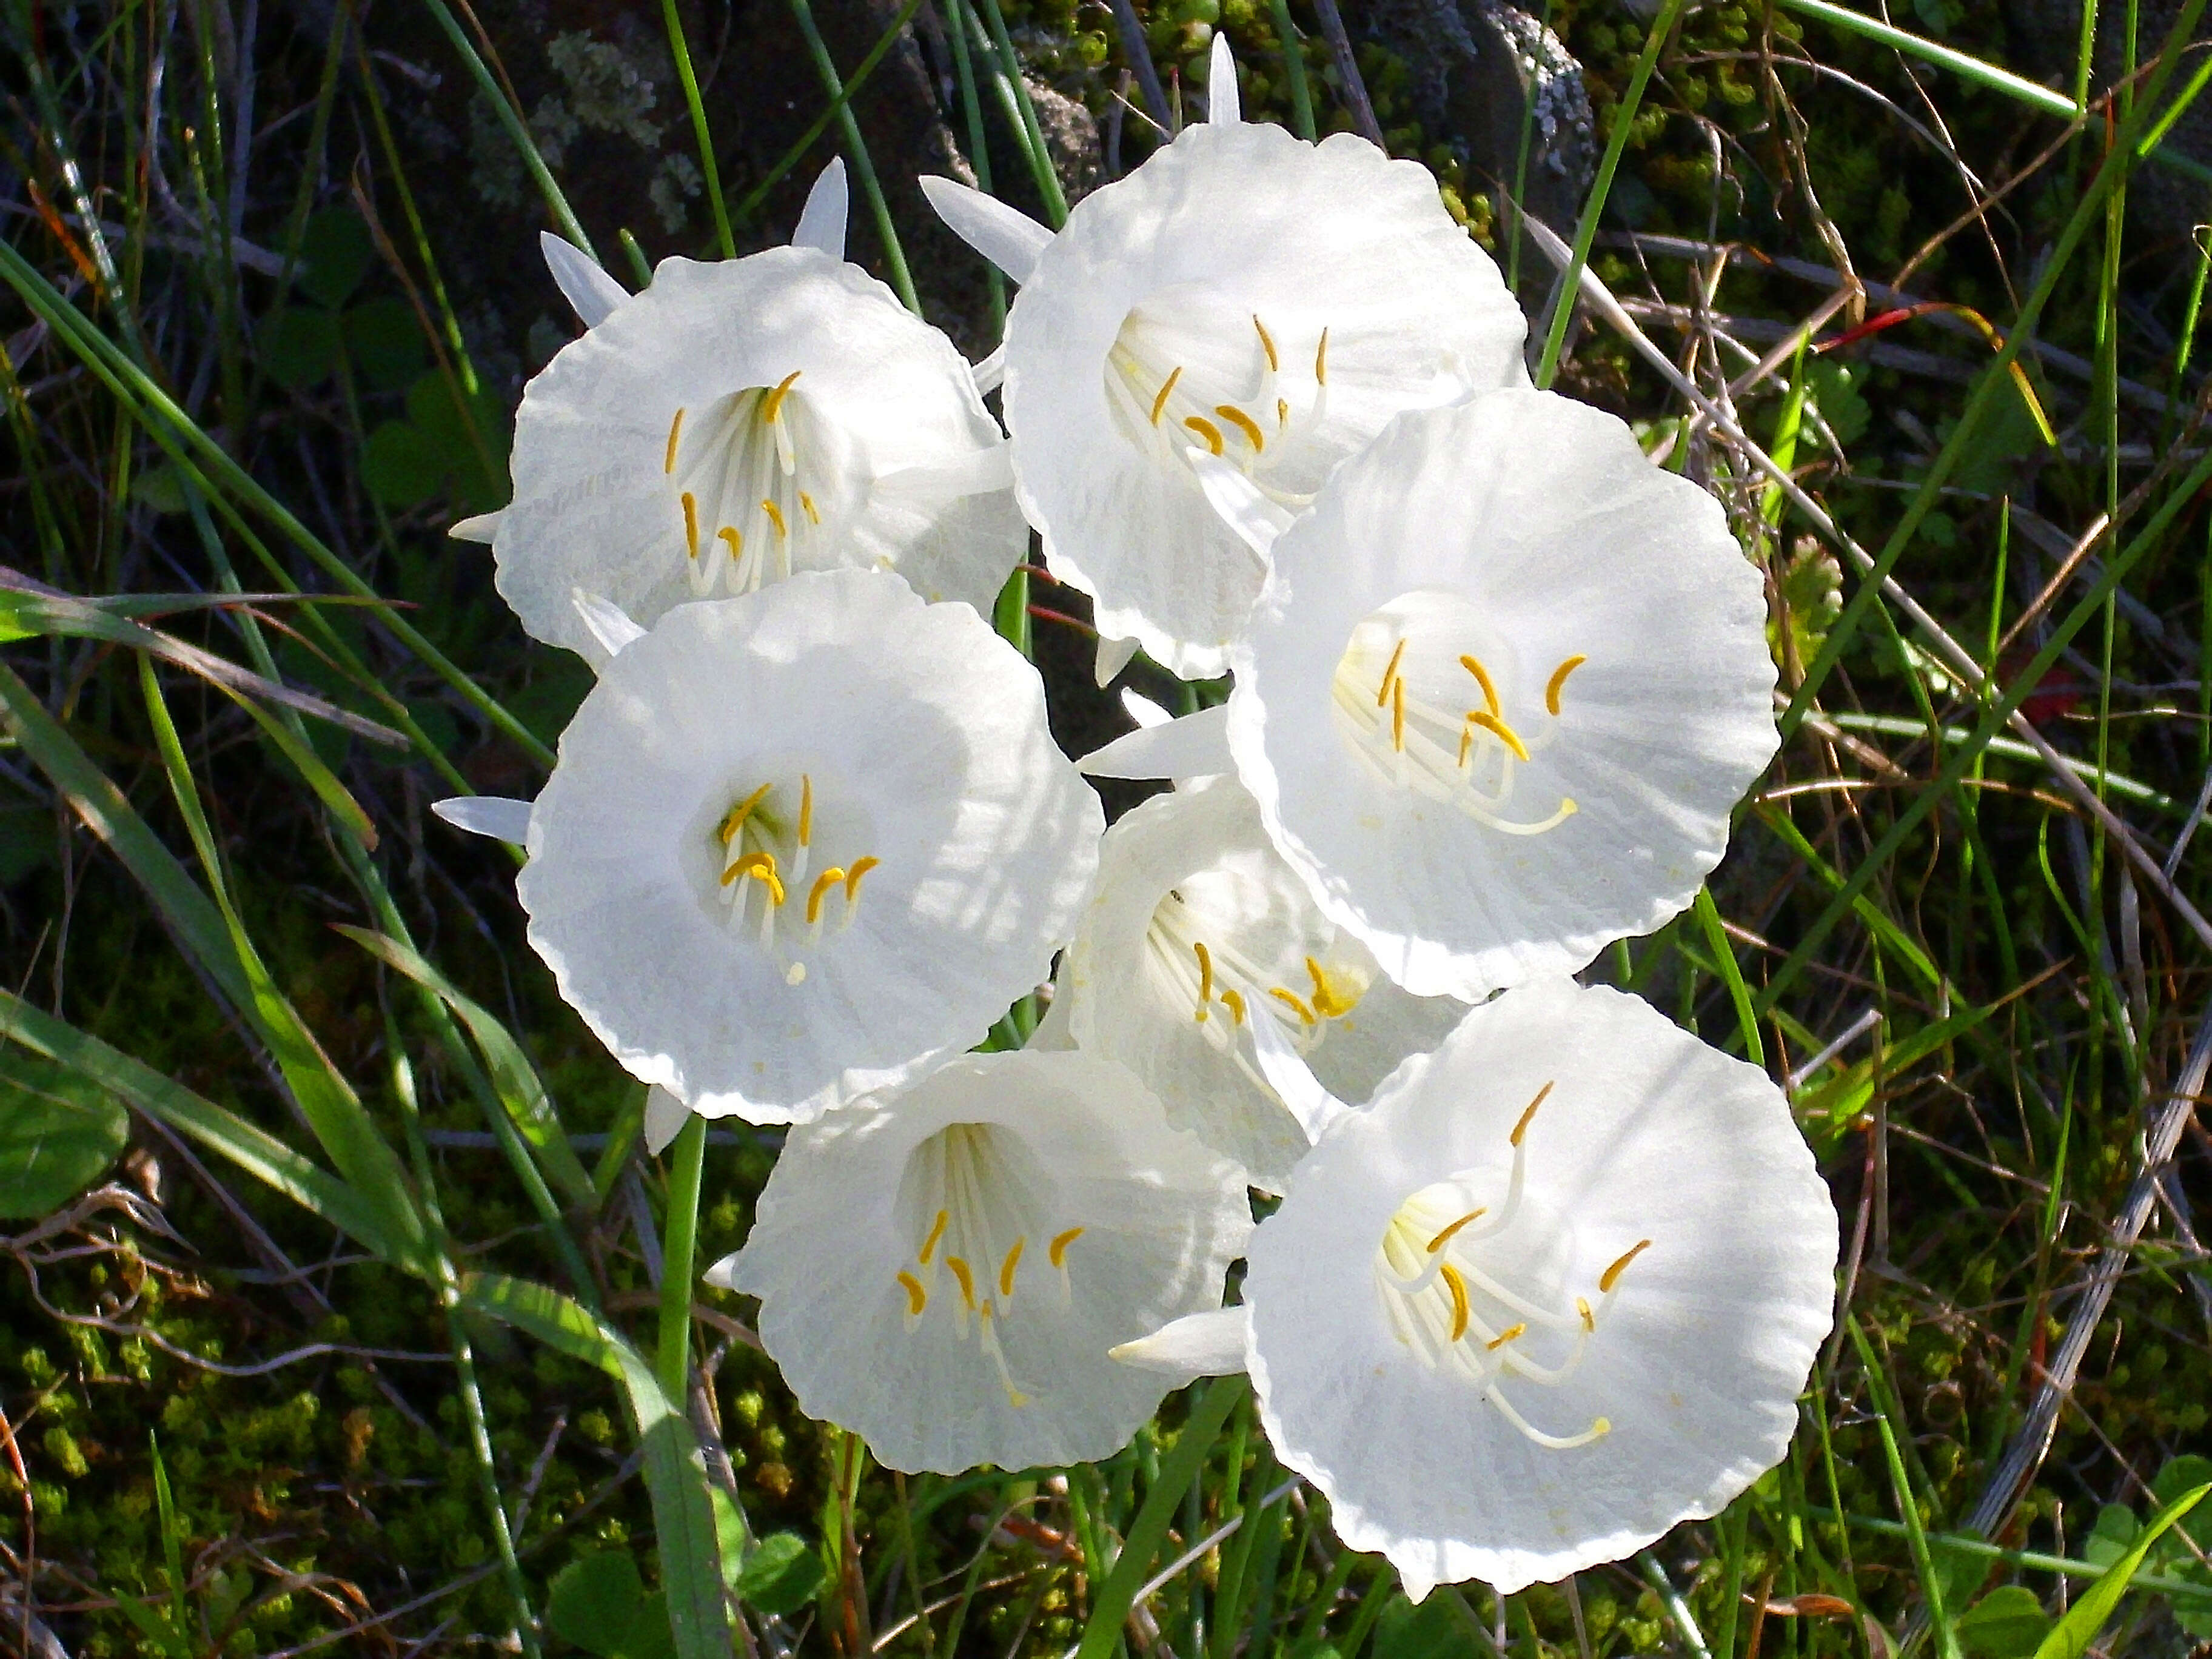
column 821, row 221
column 1009, row 239
column 495, row 815
column 582, row 283
column 1222, row 105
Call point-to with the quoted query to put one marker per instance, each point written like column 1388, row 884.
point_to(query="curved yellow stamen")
column 1445, row 1236
column 1167, row 386
column 690, row 524
column 1058, row 1253
column 936, row 1232
column 1589, row 1319
column 916, row 1297
column 1398, row 715
column 1505, row 1336
column 805, row 810
column 1457, row 1286
column 1558, row 679
column 1390, row 673
column 1482, row 678
column 1321, row 359
column 1266, row 343
column 737, row 542
column 1326, row 1002
column 823, row 883
column 1234, row 1001
column 1244, row 423
column 776, row 517
column 861, row 867
column 1205, row 978
column 1498, row 729
column 967, row 1279
column 760, row 866
column 1612, row 1275
column 1007, row 1271
column 1296, row 1002
column 1522, row 1127
column 772, row 405
column 807, row 502
column 1282, row 412
column 1205, row 430
column 734, row 819
column 675, row 427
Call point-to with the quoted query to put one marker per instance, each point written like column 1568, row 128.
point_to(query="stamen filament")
column 916, row 1297
column 823, row 883
column 1558, row 679
column 1461, row 1313
column 1598, row 1429
column 1498, row 729
column 805, row 810
column 1007, row 1271
column 691, row 524
column 1294, row 1001
column 1057, row 1254
column 936, row 1232
column 734, row 820
column 776, row 517
column 1266, row 343
column 861, row 867
column 1205, row 977
column 772, row 405
column 1444, row 1237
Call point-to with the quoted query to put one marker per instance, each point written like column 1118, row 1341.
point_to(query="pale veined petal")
column 495, row 815
column 1007, row 237
column 803, row 844
column 1209, row 1344
column 1114, row 656
column 589, row 290
column 664, row 1116
column 1555, row 1289
column 481, row 528
column 611, row 625
column 943, row 1271
column 1242, row 504
column 822, row 221
column 1192, row 746
column 1506, row 685
column 1142, row 709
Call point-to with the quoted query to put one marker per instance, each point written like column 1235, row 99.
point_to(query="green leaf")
column 782, row 1574
column 299, row 346
column 2071, row 1638
column 594, row 1600
column 2179, row 1475
column 400, row 466
column 2115, row 1529
column 385, row 337
column 58, row 1130
column 335, row 256
column 649, row 1636
column 674, row 1472
column 2008, row 1623
column 1433, row 1630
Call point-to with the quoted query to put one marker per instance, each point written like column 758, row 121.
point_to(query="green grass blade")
column 688, row 80
column 1709, row 918
column 863, row 167
column 2071, row 1637
column 687, row 1159
column 1931, row 1585
column 746, row 207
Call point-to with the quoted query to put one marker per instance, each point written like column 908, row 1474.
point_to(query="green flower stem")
column 1624, row 121
column 894, row 254
column 1294, row 66
column 686, row 1160
column 1048, row 181
column 680, row 49
column 791, row 158
column 979, row 149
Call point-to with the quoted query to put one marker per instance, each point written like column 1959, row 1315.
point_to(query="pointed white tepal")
column 496, row 816
column 822, row 221
column 611, row 625
column 1222, row 105
column 1210, row 1344
column 585, row 286
column 1194, row 746
column 1009, row 239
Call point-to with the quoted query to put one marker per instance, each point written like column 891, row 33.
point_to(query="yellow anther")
column 1606, row 1280
column 1522, row 1127
column 776, row 517
column 1244, row 423
column 823, row 883
column 734, row 819
column 1589, row 1319
column 1006, row 1268
column 1205, row 978
column 807, row 502
column 936, row 1232
column 1057, row 1255
column 1234, row 1001
column 690, row 524
column 860, row 866
column 1482, row 678
column 1505, row 1336
column 1266, row 343
column 1160, row 402
column 1445, row 1236
column 1205, row 430
column 675, row 429
column 1600, row 1427
column 760, row 866
column 1294, row 1001
column 916, row 1297
column 1321, row 359
column 805, row 810
column 1326, row 1003
column 1466, row 742
column 1390, row 673
column 1558, row 679
column 1498, row 729
column 772, row 404
column 967, row 1279
column 1398, row 715
column 1282, row 411
column 737, row 542
column 1457, row 1286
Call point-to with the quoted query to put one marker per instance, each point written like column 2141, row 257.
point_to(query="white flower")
column 801, row 843
column 1200, row 940
column 1556, row 1288
column 1243, row 294
column 1506, row 683
column 742, row 420
column 943, row 1270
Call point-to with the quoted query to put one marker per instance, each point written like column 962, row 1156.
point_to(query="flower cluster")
column 1540, row 1273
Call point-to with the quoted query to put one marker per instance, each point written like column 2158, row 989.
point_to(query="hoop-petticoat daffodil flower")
column 942, row 1270
column 1243, row 294
column 1556, row 1288
column 742, row 420
column 801, row 844
column 1506, row 682
column 1200, row 945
